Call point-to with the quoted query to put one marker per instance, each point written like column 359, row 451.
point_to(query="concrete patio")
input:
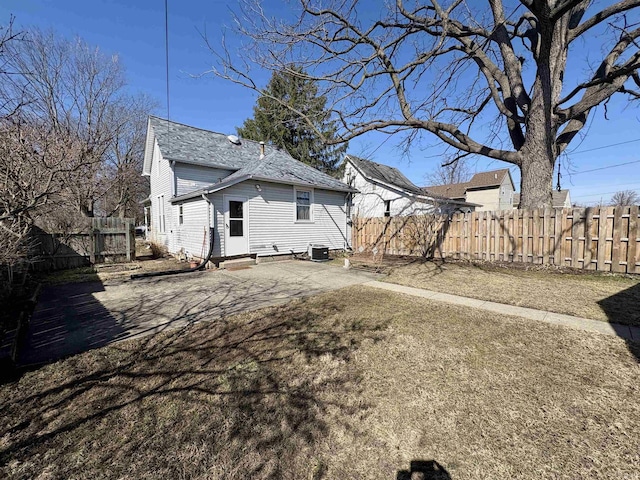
column 76, row 317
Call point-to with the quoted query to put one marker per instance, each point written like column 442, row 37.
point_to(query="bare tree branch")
column 486, row 80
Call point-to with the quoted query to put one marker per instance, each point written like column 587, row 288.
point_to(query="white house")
column 257, row 199
column 383, row 191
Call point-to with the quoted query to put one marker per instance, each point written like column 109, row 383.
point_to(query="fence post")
column 588, row 241
column 92, row 242
column 632, row 246
column 128, row 226
column 615, row 247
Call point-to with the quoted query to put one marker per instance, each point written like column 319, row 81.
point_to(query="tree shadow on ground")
column 68, row 320
column 624, row 308
column 234, row 397
column 424, row 470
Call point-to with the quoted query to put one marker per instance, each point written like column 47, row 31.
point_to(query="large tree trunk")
column 536, row 181
column 538, row 154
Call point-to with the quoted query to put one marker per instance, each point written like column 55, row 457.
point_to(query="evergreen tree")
column 279, row 120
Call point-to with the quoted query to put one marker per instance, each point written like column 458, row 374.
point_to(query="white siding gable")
column 370, row 201
column 193, row 177
column 161, row 180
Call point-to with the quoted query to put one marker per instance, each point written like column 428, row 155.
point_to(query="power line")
column 605, row 168
column 166, row 50
column 370, row 155
column 604, row 146
column 597, row 194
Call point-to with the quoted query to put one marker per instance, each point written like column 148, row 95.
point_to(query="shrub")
column 158, row 250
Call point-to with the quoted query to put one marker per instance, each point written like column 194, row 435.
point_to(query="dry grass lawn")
column 591, row 295
column 352, row 384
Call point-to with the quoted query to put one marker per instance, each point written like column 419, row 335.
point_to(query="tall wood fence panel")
column 100, row 240
column 604, row 239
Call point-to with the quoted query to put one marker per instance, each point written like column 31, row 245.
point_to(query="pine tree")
column 275, row 121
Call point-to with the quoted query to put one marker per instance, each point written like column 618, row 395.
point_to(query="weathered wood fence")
column 605, row 239
column 99, row 240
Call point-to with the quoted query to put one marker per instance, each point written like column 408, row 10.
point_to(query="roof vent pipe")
column 261, row 150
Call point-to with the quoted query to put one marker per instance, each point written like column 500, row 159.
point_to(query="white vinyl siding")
column 371, row 199
column 192, row 235
column 272, row 226
column 194, row 177
column 160, row 180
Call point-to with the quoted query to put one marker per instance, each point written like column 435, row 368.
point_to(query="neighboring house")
column 492, row 190
column 559, row 199
column 384, row 191
column 257, row 198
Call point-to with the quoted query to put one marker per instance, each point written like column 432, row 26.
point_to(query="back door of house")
column 236, row 226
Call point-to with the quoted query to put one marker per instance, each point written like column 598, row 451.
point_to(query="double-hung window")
column 303, row 204
column 387, row 208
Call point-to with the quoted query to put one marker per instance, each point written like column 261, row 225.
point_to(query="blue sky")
column 135, row 31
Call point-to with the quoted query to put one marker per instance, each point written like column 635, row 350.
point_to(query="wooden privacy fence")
column 604, row 239
column 99, row 240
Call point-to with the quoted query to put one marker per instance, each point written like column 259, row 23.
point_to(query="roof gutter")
column 221, row 186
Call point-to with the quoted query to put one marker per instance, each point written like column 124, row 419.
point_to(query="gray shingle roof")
column 195, row 145
column 384, row 173
column 279, row 166
column 187, row 144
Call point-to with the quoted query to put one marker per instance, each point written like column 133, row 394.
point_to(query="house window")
column 180, row 215
column 161, row 214
column 236, row 219
column 387, row 208
column 303, row 205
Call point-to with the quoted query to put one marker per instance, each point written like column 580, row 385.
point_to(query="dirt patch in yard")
column 599, row 296
column 111, row 272
column 357, row 383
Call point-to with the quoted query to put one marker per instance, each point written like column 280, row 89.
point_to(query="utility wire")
column 596, row 194
column 166, row 50
column 166, row 53
column 605, row 168
column 604, row 146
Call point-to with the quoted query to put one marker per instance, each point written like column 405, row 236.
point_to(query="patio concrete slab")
column 73, row 318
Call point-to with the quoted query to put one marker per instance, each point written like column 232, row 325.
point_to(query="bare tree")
column 486, row 80
column 450, row 172
column 625, row 198
column 124, row 188
column 77, row 92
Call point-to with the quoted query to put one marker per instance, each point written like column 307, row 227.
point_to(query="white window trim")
column 295, row 204
column 181, row 214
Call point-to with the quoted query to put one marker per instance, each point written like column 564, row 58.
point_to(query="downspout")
column 209, row 229
column 348, row 222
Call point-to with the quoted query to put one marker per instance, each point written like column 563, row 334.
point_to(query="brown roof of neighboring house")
column 493, row 178
column 453, row 190
column 557, row 198
column 480, row 180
